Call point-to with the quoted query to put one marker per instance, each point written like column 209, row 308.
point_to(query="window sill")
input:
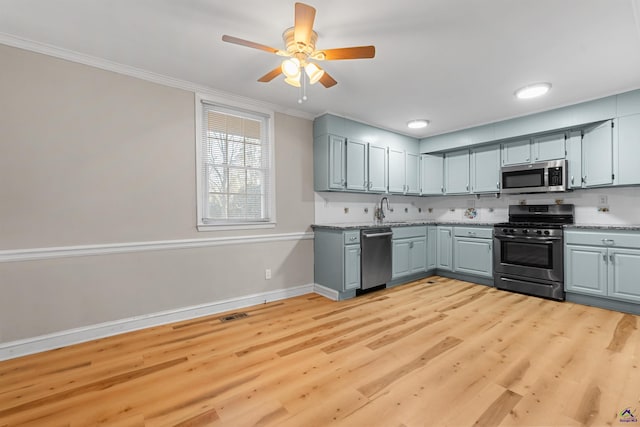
column 239, row 226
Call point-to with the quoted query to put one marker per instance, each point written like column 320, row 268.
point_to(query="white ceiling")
column 453, row 62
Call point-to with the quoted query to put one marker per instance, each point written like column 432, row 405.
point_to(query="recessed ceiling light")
column 533, row 91
column 418, row 124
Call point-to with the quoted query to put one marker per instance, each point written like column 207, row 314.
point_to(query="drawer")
column 481, row 233
column 352, row 237
column 408, row 232
column 597, row 238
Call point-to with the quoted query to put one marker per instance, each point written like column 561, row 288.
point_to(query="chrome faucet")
column 379, row 214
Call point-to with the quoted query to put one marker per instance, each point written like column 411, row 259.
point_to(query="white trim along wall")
column 116, row 248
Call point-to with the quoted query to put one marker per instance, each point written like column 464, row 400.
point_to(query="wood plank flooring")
column 436, row 352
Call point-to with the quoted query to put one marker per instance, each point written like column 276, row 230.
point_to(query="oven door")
column 531, row 257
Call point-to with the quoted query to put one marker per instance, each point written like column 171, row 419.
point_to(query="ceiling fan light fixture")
column 418, row 124
column 533, row 91
column 293, row 81
column 291, row 68
column 314, row 72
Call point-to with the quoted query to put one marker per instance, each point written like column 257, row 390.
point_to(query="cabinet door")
column 597, row 155
column 337, row 164
column 400, row 258
column 412, row 178
column 431, row 174
column 456, row 172
column 624, row 270
column 432, row 247
column 628, row 149
column 357, row 165
column 396, row 171
column 377, row 168
column 517, row 152
column 574, row 159
column 586, row 270
column 351, row 267
column 444, row 250
column 473, row 256
column 418, row 252
column 549, row 147
column 485, row 169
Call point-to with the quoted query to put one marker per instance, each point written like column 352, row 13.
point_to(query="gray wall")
column 92, row 157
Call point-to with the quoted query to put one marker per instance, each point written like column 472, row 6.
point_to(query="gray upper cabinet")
column 396, row 171
column 574, row 159
column 357, row 176
column 549, row 147
column 628, row 149
column 456, row 172
column 403, row 172
column 329, row 156
column 431, row 174
column 377, row 168
column 516, row 152
column 597, row 155
column 412, row 176
column 485, row 169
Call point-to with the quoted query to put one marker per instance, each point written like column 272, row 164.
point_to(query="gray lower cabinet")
column 337, row 259
column 432, row 247
column 444, row 258
column 472, row 247
column 409, row 251
column 603, row 264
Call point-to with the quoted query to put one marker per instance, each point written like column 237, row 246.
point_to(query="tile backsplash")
column 592, row 206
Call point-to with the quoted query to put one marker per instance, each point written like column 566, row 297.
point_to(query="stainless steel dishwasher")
column 375, row 257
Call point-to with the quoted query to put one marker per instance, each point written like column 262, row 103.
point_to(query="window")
column 235, row 167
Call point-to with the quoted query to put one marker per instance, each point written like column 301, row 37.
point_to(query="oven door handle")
column 548, row 240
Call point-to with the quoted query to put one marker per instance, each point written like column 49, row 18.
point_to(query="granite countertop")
column 627, row 227
column 358, row 226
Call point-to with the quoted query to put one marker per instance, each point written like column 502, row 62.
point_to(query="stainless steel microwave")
column 539, row 177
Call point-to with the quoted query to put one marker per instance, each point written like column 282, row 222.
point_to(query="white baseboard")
column 332, row 294
column 55, row 340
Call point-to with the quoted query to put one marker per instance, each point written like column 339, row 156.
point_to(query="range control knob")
column 504, row 230
column 539, row 231
column 525, row 231
column 546, row 232
column 512, row 231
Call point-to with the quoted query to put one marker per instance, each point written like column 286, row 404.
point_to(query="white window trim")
column 251, row 108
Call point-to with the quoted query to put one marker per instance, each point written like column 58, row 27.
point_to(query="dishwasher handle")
column 389, row 233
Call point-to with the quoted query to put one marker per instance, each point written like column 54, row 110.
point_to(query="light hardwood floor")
column 434, row 352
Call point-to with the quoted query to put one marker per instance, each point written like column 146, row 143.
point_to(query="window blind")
column 236, row 166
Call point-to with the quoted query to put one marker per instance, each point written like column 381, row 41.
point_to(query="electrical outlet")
column 523, row 202
column 366, row 210
column 603, row 200
column 267, row 274
column 346, row 210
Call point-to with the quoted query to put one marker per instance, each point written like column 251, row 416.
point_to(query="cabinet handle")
column 410, row 245
column 498, row 185
column 352, row 238
column 584, row 179
column 572, row 180
column 467, row 187
column 527, row 159
column 472, row 233
column 608, row 241
column 604, row 257
column 611, row 258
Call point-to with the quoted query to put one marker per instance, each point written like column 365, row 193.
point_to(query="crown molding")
column 127, row 70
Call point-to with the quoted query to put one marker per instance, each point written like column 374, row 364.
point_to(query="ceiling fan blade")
column 327, row 81
column 357, row 52
column 303, row 26
column 271, row 75
column 247, row 43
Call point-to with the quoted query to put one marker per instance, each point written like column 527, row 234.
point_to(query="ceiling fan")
column 300, row 49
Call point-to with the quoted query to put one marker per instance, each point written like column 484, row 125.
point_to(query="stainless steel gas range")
column 528, row 252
